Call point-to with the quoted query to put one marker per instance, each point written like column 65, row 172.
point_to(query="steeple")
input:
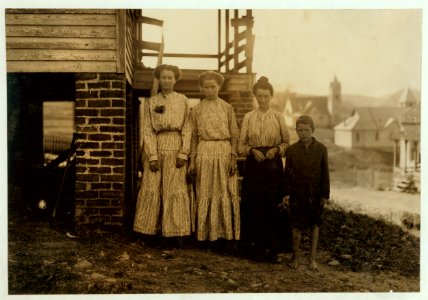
column 334, row 100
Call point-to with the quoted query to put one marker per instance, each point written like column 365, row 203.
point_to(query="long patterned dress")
column 163, row 203
column 262, row 183
column 214, row 142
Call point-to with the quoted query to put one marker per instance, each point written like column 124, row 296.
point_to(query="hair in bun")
column 263, row 84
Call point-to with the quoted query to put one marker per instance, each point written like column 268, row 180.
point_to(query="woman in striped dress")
column 213, row 158
column 163, row 204
column 263, row 139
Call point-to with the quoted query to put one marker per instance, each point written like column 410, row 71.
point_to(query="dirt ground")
column 45, row 259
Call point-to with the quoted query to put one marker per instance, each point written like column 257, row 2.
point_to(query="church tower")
column 334, row 101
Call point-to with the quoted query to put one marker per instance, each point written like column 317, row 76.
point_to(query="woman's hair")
column 263, row 84
column 304, row 119
column 174, row 69
column 208, row 75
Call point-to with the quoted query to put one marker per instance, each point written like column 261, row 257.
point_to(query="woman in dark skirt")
column 263, row 139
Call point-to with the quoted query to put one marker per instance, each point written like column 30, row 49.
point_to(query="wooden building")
column 94, row 58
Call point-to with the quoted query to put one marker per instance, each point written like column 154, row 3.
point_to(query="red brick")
column 86, row 94
column 111, row 194
column 118, row 84
column 112, row 178
column 112, row 128
column 81, row 185
column 101, row 186
column 99, row 120
column 113, row 112
column 81, row 169
column 119, row 153
column 80, row 120
column 80, row 86
column 112, row 145
column 118, row 186
column 88, row 177
column 80, row 103
column 118, row 137
column 100, row 170
column 112, row 94
column 100, row 202
column 82, row 112
column 87, row 145
column 99, row 137
column 111, row 211
column 99, row 103
column 101, row 153
column 87, row 161
column 98, row 85
column 86, row 194
column 118, row 103
column 112, row 161
column 118, row 170
column 118, row 121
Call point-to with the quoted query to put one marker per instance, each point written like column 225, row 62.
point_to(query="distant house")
column 407, row 150
column 368, row 127
column 323, row 109
column 373, row 127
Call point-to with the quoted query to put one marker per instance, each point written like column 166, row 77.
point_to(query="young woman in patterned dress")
column 213, row 159
column 163, row 204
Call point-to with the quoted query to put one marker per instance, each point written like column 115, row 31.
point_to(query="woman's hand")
column 179, row 162
column 191, row 170
column 232, row 166
column 154, row 165
column 257, row 155
column 271, row 153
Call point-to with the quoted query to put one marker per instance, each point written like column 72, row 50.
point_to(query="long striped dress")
column 214, row 142
column 164, row 204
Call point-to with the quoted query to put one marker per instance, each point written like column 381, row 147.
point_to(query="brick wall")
column 100, row 126
column 242, row 103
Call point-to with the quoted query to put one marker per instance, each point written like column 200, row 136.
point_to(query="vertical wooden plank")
column 219, row 38
column 235, row 42
column 249, row 42
column 120, row 39
column 227, row 48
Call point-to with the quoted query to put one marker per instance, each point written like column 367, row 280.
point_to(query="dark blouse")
column 306, row 171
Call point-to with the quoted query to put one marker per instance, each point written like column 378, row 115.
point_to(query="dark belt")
column 167, row 130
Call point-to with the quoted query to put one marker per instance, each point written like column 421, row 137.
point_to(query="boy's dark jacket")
column 306, row 171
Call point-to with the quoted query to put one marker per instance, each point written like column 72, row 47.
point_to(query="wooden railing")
column 227, row 59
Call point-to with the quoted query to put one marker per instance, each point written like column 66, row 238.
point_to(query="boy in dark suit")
column 307, row 186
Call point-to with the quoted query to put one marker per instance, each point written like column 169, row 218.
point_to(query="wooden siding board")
column 61, row 31
column 66, row 55
column 60, row 43
column 59, row 11
column 61, row 66
column 120, row 38
column 60, row 19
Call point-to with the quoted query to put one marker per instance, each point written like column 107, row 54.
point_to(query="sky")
column 372, row 52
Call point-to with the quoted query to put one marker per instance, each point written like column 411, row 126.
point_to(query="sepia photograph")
column 240, row 151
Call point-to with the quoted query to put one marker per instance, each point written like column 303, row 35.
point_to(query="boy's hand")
column 286, row 200
column 271, row 153
column 258, row 155
column 154, row 165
